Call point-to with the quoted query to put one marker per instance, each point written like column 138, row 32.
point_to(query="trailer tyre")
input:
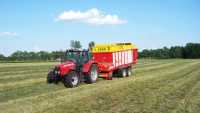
column 129, row 71
column 71, row 80
column 123, row 73
column 110, row 76
column 92, row 74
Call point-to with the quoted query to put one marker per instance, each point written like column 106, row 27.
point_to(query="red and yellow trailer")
column 115, row 58
column 104, row 60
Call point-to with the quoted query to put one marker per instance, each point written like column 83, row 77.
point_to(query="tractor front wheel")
column 92, row 74
column 71, row 80
column 51, row 77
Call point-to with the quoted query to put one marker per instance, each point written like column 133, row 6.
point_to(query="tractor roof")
column 76, row 50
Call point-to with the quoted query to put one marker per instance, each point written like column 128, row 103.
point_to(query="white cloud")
column 91, row 16
column 8, row 34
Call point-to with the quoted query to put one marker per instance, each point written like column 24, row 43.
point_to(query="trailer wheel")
column 110, row 76
column 129, row 71
column 71, row 80
column 123, row 73
column 92, row 75
column 51, row 78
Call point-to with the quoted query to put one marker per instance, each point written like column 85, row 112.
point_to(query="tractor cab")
column 77, row 56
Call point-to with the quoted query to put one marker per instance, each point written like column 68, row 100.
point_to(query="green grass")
column 158, row 86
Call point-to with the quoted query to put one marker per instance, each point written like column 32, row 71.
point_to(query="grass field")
column 158, row 86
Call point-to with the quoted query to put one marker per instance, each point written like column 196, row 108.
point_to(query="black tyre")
column 71, row 80
column 92, row 74
column 110, row 77
column 51, row 78
column 123, row 72
column 129, row 71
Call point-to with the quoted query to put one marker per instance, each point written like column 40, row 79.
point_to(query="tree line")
column 190, row 50
column 42, row 55
column 33, row 56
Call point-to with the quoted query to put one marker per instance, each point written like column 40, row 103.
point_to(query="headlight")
column 58, row 72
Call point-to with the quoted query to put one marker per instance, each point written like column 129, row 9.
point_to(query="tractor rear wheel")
column 92, row 74
column 71, row 80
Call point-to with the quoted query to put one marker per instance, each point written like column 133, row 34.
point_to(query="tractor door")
column 86, row 56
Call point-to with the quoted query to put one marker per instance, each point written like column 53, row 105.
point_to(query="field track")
column 157, row 86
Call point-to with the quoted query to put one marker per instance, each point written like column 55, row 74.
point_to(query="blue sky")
column 35, row 25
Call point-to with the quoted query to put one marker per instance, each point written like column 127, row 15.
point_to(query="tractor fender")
column 86, row 66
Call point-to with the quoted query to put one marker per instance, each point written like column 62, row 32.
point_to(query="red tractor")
column 103, row 61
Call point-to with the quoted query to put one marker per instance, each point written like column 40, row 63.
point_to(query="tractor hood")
column 66, row 67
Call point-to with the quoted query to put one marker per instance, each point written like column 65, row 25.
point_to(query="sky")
column 35, row 25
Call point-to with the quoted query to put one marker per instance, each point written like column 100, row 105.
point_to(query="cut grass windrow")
column 7, row 86
column 29, row 87
column 28, row 82
column 24, row 71
column 20, row 77
column 158, row 86
column 13, row 65
column 114, row 99
column 190, row 101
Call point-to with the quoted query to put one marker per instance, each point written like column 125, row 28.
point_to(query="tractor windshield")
column 77, row 56
column 71, row 56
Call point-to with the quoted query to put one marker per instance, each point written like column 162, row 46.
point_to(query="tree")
column 75, row 44
column 43, row 55
column 2, row 57
column 91, row 45
column 57, row 54
column 176, row 52
column 33, row 56
column 192, row 50
column 18, row 55
column 145, row 53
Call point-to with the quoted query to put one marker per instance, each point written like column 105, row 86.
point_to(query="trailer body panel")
column 111, row 57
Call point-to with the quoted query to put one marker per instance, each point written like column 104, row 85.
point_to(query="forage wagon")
column 103, row 60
